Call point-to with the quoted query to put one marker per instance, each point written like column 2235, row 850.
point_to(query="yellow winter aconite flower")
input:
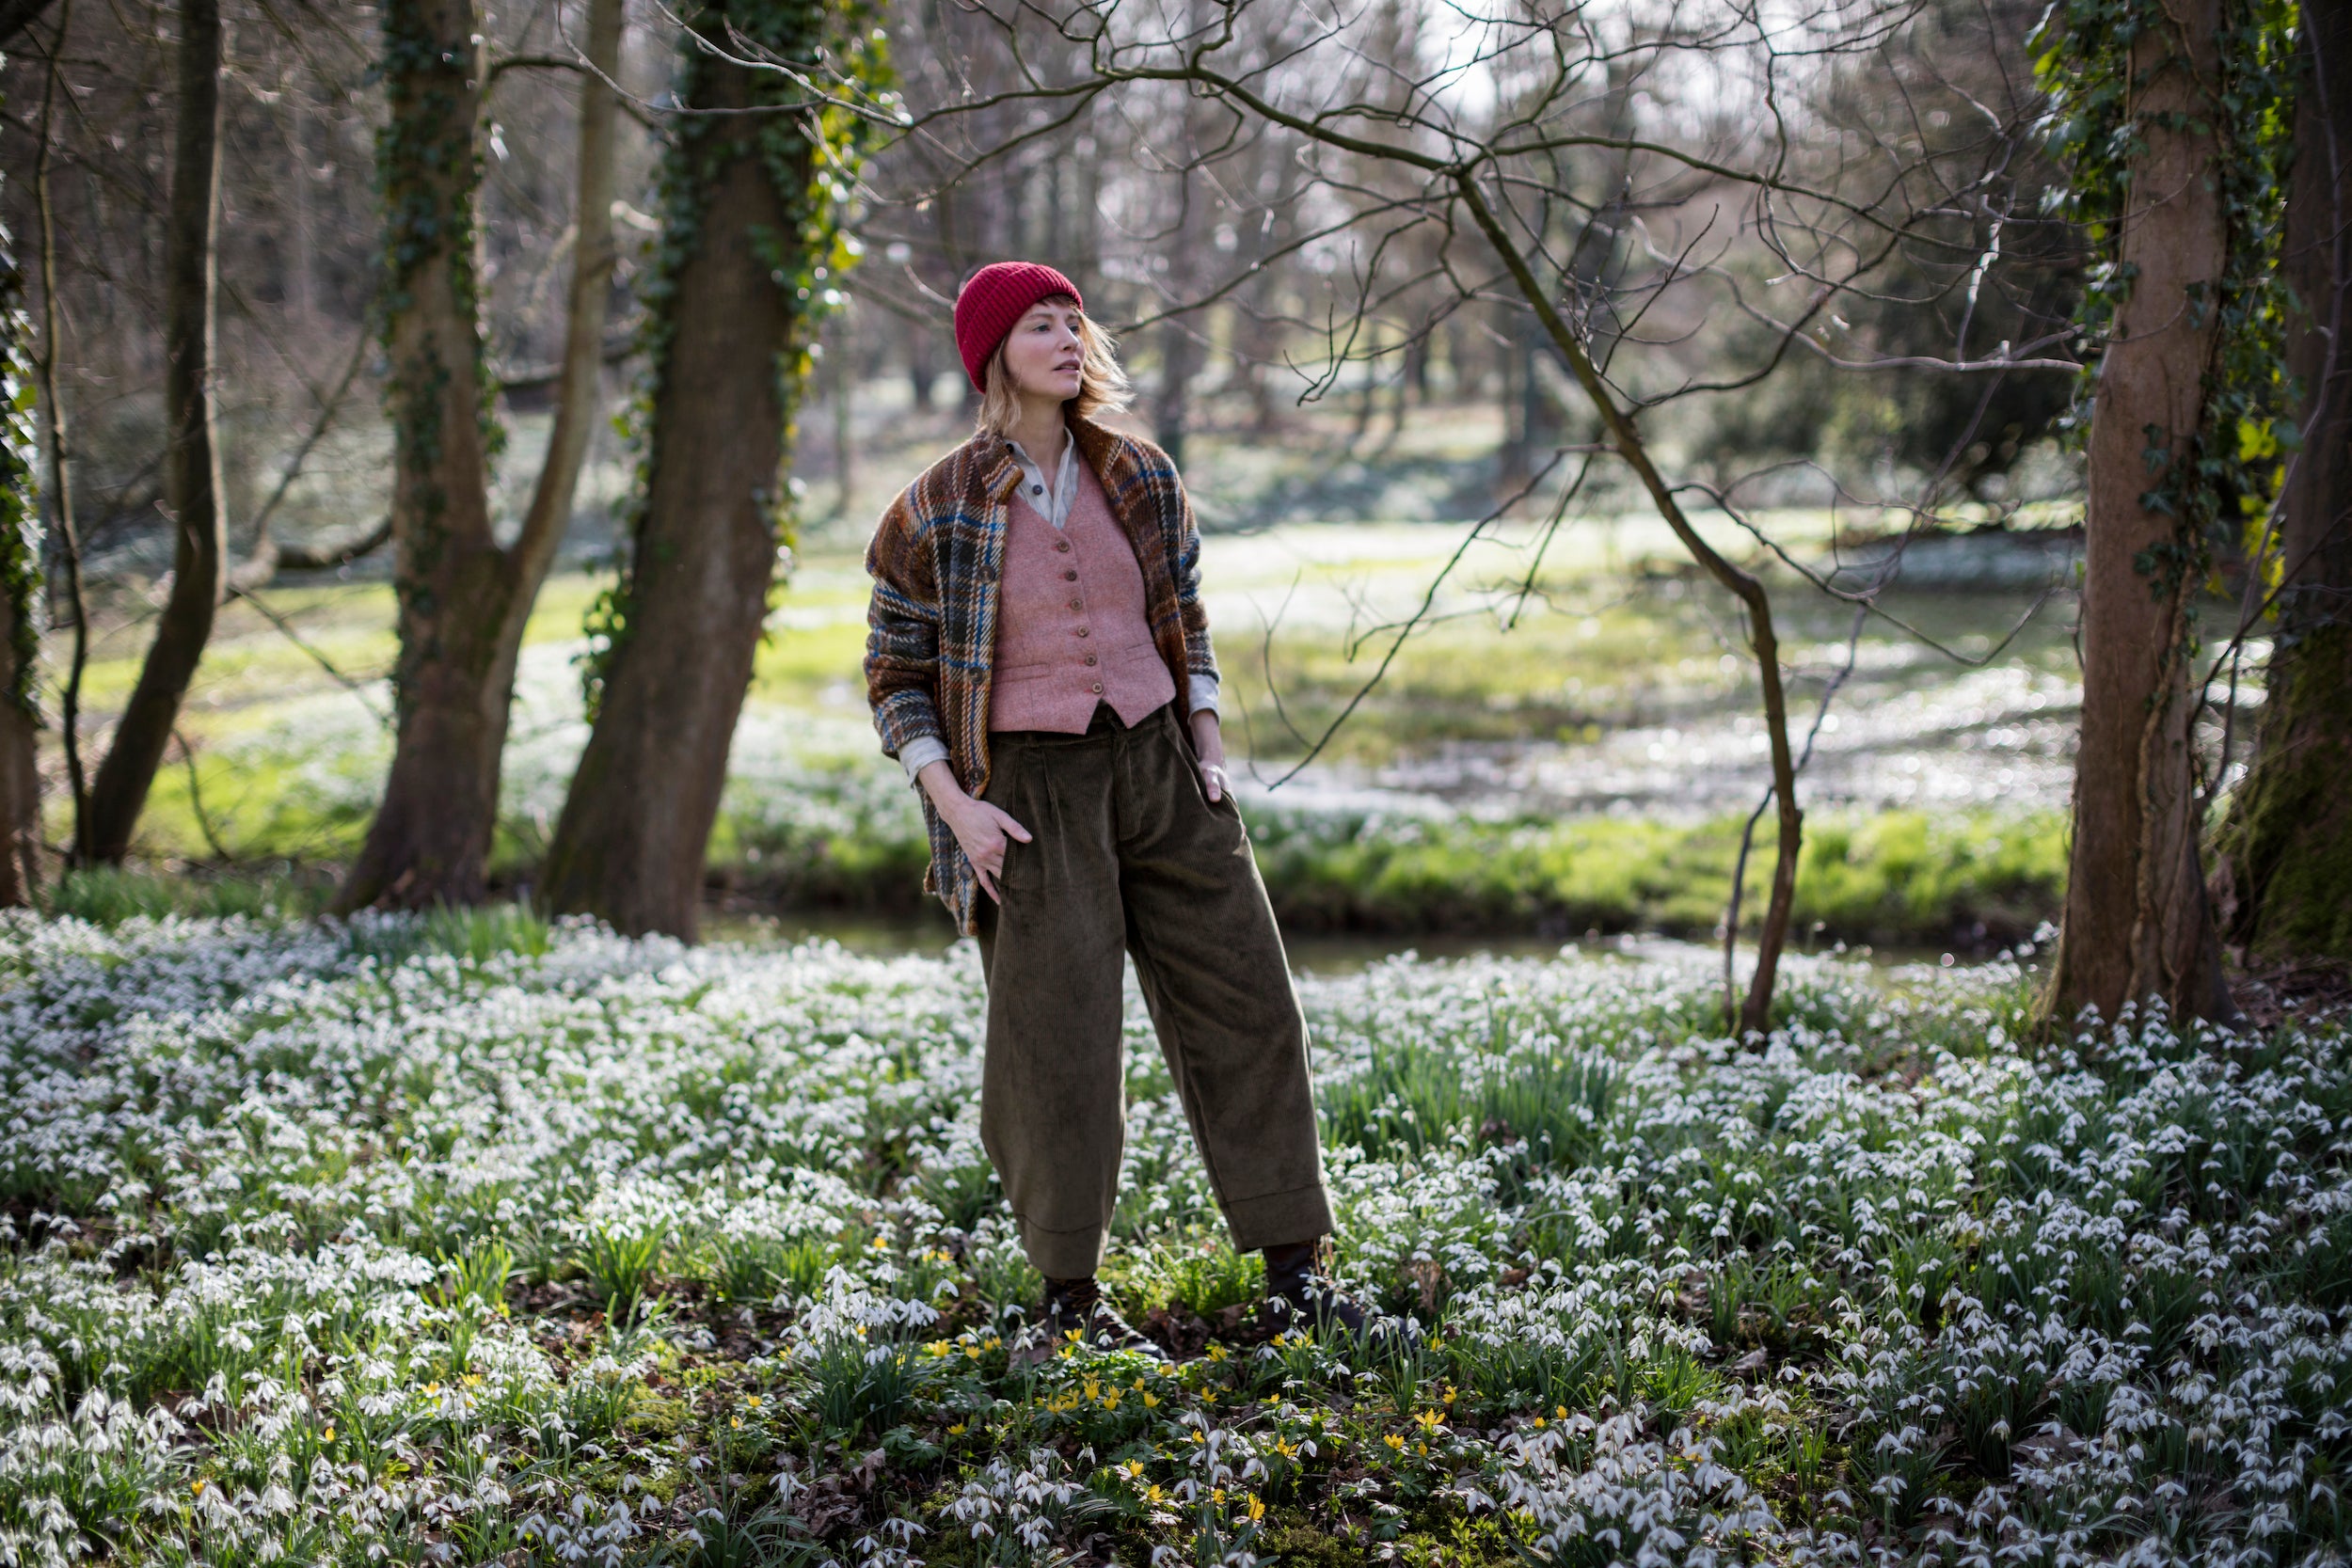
column 1395, row 1442
column 1429, row 1420
column 1150, row 1400
column 1216, row 1495
column 1257, row 1508
column 1155, row 1495
column 1217, row 1353
column 958, row 1429
column 751, row 1400
column 331, row 1434
column 1135, row 1467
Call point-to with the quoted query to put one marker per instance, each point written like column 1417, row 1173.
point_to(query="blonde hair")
column 1102, row 385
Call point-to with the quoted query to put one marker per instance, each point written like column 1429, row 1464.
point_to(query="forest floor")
column 463, row 1239
column 1566, row 744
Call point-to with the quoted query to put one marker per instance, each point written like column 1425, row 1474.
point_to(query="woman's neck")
column 1039, row 430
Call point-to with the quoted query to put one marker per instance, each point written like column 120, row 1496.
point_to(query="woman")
column 1039, row 662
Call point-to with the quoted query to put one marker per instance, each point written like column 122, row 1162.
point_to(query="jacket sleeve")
column 1200, row 658
column 903, row 631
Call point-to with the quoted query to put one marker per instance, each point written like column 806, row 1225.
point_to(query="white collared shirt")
column 1052, row 502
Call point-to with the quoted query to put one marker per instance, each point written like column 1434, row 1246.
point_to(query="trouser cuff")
column 1298, row 1215
column 1063, row 1254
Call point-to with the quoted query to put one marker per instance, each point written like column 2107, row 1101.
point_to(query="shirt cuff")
column 1203, row 693
column 919, row 754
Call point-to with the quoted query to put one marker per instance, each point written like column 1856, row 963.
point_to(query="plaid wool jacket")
column 936, row 560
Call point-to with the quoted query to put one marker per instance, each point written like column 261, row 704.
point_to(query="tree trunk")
column 20, row 610
column 54, row 449
column 464, row 600
column 20, row 603
column 630, row 844
column 2286, row 877
column 191, row 456
column 1171, row 402
column 1754, row 1011
column 429, row 838
column 2136, row 926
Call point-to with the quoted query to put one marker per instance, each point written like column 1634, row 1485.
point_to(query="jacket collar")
column 999, row 471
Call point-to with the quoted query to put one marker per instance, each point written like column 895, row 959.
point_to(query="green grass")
column 1975, row 880
column 287, row 763
column 1894, row 876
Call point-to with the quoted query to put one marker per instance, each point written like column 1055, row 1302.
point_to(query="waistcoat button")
column 1089, row 659
column 1061, row 543
column 1070, row 575
column 1098, row 686
column 1076, row 603
column 1082, row 631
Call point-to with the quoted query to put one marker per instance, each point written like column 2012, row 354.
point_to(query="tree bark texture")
column 21, row 588
column 20, row 723
column 465, row 600
column 426, row 844
column 192, row 455
column 629, row 845
column 2286, row 875
column 2136, row 925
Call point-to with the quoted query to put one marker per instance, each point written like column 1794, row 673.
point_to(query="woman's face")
column 1043, row 353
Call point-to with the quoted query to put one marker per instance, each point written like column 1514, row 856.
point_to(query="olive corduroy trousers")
column 1128, row 856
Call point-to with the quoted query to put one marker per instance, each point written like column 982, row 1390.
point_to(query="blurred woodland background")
column 1871, row 470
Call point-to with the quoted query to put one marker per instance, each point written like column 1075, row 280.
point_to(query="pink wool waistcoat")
column 1071, row 627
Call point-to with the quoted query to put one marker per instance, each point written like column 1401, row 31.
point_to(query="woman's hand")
column 980, row 828
column 1209, row 741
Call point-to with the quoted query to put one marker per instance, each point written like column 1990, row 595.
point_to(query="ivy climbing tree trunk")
column 2136, row 924
column 465, row 599
column 192, row 486
column 20, row 601
column 744, row 256
column 425, row 844
column 2285, row 871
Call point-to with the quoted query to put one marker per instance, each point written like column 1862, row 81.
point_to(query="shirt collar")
column 1053, row 503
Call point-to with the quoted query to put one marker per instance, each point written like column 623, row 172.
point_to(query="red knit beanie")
column 993, row 300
